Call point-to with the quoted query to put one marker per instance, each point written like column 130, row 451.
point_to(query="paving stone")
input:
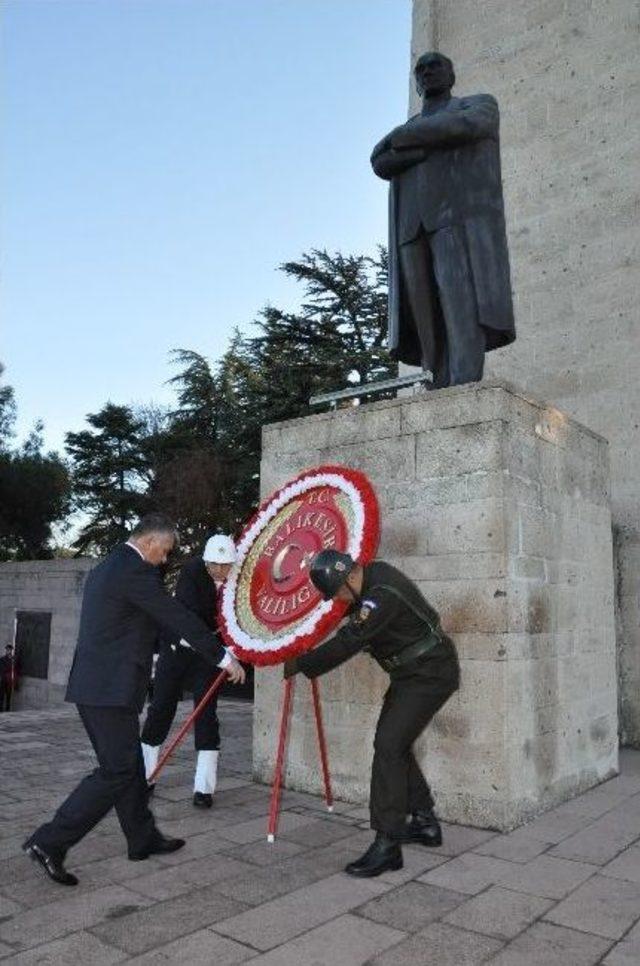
column 623, row 954
column 201, row 948
column 499, row 912
column 81, row 948
column 77, row 911
column 166, row 921
column 546, row 877
column 263, row 884
column 8, row 907
column 317, row 833
column 517, row 846
column 348, row 940
column 625, row 866
column 169, row 882
column 263, row 852
column 600, row 842
column 412, row 906
column 37, row 889
column 555, row 826
column 469, row 873
column 544, row 944
column 205, row 843
column 416, row 860
column 440, row 945
column 458, row 838
column 603, row 906
column 256, row 828
column 273, row 923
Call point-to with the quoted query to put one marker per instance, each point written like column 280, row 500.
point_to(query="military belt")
column 410, row 654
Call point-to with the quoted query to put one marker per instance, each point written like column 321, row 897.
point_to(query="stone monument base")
column 498, row 506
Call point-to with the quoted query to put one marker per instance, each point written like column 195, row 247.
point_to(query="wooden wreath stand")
column 287, row 700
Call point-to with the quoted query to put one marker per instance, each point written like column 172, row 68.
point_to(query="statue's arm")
column 475, row 119
column 389, row 163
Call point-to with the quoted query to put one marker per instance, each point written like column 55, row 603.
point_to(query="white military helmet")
column 220, row 549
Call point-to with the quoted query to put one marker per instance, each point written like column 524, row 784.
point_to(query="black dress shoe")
column 424, row 828
column 202, row 800
column 383, row 855
column 53, row 867
column 159, row 845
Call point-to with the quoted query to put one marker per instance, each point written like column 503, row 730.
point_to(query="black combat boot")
column 424, row 828
column 202, row 800
column 383, row 855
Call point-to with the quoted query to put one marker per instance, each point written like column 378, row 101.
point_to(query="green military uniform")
column 393, row 622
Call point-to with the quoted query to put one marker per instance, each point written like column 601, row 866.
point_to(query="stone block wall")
column 53, row 586
column 499, row 508
column 567, row 77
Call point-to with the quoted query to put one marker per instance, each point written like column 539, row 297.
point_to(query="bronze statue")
column 449, row 280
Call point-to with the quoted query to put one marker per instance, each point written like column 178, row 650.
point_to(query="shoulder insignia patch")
column 365, row 609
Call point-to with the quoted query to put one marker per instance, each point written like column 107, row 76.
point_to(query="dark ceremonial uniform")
column 123, row 607
column 393, row 622
column 8, row 680
column 180, row 668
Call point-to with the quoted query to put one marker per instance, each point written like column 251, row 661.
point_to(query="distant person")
column 9, row 677
column 124, row 604
column 180, row 668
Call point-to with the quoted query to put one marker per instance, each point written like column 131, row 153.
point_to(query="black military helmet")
column 329, row 570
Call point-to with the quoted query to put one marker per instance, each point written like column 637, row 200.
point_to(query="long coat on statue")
column 458, row 183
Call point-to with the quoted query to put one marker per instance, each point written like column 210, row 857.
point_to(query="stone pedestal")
column 499, row 508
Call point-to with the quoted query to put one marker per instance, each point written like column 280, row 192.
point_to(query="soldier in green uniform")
column 391, row 620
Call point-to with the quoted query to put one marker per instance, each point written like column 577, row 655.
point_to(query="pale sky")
column 161, row 158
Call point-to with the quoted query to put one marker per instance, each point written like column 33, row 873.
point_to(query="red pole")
column 197, row 711
column 277, row 778
column 322, row 744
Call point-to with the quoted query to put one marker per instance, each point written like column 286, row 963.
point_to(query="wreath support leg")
column 193, row 717
column 274, row 809
column 322, row 744
column 277, row 778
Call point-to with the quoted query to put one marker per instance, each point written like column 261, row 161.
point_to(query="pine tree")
column 108, row 476
column 34, row 495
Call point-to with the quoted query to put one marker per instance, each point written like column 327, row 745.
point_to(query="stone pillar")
column 499, row 508
column 565, row 73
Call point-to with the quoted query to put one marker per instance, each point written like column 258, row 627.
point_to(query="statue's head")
column 434, row 73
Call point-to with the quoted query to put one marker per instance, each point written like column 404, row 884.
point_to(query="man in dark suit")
column 181, row 668
column 123, row 607
column 449, row 281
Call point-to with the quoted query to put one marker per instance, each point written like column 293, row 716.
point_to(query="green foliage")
column 7, row 413
column 34, row 495
column 199, row 462
column 109, row 464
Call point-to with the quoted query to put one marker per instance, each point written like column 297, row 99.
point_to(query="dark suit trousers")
column 398, row 787
column 118, row 782
column 177, row 671
column 437, row 279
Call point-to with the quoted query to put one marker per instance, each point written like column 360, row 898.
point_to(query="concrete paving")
column 562, row 891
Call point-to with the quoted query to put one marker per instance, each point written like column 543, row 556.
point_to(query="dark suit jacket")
column 447, row 172
column 197, row 591
column 123, row 608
